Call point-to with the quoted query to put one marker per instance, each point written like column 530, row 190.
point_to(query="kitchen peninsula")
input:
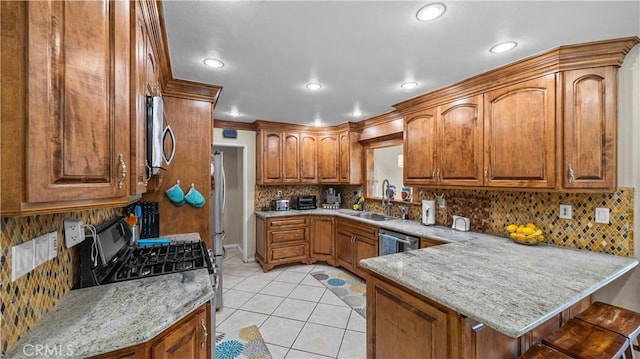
column 486, row 296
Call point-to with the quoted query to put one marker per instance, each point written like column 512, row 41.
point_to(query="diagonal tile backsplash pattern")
column 26, row 300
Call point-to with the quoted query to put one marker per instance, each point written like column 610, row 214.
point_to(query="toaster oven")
column 304, row 202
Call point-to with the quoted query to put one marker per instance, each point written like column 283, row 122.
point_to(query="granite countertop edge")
column 101, row 319
column 493, row 322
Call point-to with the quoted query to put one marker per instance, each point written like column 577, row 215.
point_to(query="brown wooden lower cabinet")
column 403, row 324
column 189, row 338
column 322, row 228
column 355, row 241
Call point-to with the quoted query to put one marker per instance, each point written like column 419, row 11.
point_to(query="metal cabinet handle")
column 123, row 171
column 571, row 176
column 438, row 175
column 486, row 174
column 353, row 240
column 205, row 333
column 433, row 175
column 147, row 176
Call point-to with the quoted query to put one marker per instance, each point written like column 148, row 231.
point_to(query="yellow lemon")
column 527, row 231
column 513, row 235
column 520, row 236
column 538, row 232
column 512, row 228
column 520, row 230
column 531, row 225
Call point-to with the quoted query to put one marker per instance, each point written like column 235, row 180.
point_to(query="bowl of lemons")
column 527, row 234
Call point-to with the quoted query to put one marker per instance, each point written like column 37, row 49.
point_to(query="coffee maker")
column 331, row 196
column 428, row 212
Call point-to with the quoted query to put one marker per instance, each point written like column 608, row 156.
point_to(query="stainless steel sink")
column 373, row 216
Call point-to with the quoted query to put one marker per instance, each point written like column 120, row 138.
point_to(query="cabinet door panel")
column 289, row 235
column 138, row 105
column 308, row 158
column 78, row 100
column 403, row 327
column 364, row 249
column 328, row 158
column 419, row 148
column 185, row 341
column 344, row 157
column 459, row 148
column 322, row 229
column 272, row 157
column 520, row 135
column 289, row 253
column 344, row 249
column 589, row 129
column 290, row 157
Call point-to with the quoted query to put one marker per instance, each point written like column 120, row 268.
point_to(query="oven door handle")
column 395, row 238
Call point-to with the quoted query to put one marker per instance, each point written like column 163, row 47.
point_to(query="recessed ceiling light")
column 431, row 11
column 215, row 63
column 313, row 86
column 317, row 122
column 503, row 47
column 234, row 113
column 357, row 113
column 409, row 85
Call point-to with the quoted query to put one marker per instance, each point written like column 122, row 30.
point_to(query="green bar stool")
column 622, row 321
column 579, row 339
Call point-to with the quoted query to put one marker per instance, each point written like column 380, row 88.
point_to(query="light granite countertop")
column 415, row 228
column 96, row 320
column 509, row 287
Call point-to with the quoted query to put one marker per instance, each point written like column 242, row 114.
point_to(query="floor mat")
column 245, row 343
column 351, row 289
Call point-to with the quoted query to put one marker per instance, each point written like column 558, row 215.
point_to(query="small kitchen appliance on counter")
column 303, row 202
column 280, row 205
column 428, row 212
column 331, row 196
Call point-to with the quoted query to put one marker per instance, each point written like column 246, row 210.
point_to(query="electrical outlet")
column 602, row 215
column 53, row 245
column 565, row 211
column 40, row 250
column 73, row 232
column 21, row 260
column 279, row 194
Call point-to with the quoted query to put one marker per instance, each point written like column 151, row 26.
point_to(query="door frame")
column 245, row 187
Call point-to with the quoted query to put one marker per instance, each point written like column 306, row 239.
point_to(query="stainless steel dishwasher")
column 395, row 242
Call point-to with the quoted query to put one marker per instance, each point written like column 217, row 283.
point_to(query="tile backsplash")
column 26, row 300
column 491, row 211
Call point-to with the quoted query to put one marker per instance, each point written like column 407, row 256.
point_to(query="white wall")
column 625, row 291
column 247, row 139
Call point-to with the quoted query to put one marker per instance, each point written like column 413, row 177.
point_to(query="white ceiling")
column 361, row 51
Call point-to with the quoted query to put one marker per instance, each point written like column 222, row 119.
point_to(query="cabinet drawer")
column 289, row 235
column 358, row 229
column 296, row 251
column 284, row 222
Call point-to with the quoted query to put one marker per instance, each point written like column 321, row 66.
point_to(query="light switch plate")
column 565, row 211
column 21, row 260
column 53, row 245
column 602, row 215
column 40, row 250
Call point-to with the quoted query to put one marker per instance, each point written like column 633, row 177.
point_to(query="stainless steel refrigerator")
column 218, row 198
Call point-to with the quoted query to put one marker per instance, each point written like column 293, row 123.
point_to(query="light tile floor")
column 298, row 317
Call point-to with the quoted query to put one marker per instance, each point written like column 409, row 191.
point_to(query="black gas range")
column 109, row 258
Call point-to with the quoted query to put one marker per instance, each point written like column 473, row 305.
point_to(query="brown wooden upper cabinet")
column 420, row 148
column 328, row 158
column 519, row 135
column 71, row 104
column 443, row 146
column 589, row 148
column 144, row 82
column 308, row 158
column 280, row 153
